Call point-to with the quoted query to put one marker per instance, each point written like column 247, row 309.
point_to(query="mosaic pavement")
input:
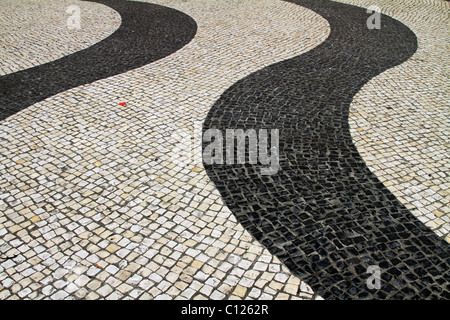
column 97, row 204
column 323, row 213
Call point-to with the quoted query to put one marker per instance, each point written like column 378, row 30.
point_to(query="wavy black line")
column 324, row 214
column 148, row 32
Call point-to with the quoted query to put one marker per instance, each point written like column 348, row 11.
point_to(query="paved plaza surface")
column 105, row 115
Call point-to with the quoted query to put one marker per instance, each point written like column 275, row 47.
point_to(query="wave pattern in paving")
column 399, row 120
column 93, row 205
column 36, row 31
column 148, row 33
column 324, row 214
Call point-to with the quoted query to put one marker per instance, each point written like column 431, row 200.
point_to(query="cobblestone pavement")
column 94, row 203
column 403, row 133
column 36, row 31
column 324, row 214
column 137, row 42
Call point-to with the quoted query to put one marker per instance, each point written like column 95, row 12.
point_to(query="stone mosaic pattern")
column 325, row 214
column 93, row 205
column 147, row 33
column 51, row 246
column 35, row 31
column 403, row 134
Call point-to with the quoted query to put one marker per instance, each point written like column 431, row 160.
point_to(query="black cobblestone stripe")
column 148, row 32
column 324, row 214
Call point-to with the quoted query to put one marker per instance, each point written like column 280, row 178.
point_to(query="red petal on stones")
column 122, row 104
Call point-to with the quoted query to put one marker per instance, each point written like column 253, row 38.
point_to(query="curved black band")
column 148, row 32
column 324, row 214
